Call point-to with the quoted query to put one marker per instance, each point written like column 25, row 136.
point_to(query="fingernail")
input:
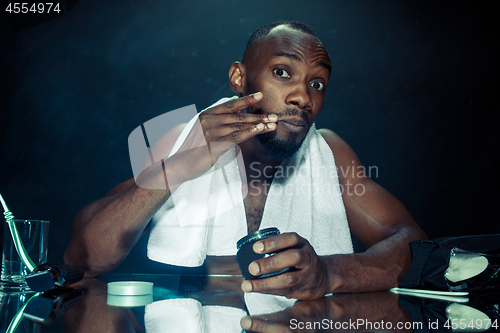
column 271, row 126
column 272, row 117
column 257, row 96
column 246, row 286
column 260, row 126
column 246, row 323
column 254, row 269
column 258, row 247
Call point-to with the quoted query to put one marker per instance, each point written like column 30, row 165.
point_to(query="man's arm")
column 376, row 219
column 104, row 232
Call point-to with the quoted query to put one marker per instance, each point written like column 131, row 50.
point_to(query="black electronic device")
column 48, row 276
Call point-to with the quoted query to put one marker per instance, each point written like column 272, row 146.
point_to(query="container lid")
column 257, row 235
column 130, row 288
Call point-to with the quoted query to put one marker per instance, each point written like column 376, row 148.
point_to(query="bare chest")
column 254, row 208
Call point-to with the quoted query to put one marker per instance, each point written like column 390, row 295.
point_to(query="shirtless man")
column 283, row 74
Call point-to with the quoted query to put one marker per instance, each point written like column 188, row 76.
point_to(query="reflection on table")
column 215, row 303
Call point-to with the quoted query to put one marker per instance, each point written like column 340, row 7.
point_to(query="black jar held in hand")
column 246, row 254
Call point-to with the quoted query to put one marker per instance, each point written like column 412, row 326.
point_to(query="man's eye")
column 317, row 85
column 281, row 73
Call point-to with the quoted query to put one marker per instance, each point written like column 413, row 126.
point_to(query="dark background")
column 414, row 91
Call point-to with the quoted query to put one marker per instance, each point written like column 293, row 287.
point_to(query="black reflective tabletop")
column 215, row 303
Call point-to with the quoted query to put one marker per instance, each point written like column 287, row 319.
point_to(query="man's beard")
column 281, row 149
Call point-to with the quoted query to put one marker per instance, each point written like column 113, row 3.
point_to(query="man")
column 281, row 83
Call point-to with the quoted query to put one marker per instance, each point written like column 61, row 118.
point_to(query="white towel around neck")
column 206, row 216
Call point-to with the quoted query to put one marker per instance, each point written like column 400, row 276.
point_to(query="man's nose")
column 300, row 97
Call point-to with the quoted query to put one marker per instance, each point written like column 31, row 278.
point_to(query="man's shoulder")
column 330, row 136
column 343, row 153
column 335, row 142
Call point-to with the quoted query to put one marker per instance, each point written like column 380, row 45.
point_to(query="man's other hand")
column 308, row 275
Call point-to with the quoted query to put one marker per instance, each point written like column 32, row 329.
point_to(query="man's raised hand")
column 224, row 126
column 219, row 129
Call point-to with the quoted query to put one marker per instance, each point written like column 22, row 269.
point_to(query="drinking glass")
column 34, row 235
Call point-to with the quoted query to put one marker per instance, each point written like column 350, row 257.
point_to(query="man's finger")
column 246, row 130
column 280, row 242
column 236, row 104
column 237, row 119
column 278, row 262
column 250, row 118
column 238, row 136
column 262, row 324
column 273, row 285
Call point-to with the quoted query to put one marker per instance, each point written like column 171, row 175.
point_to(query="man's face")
column 291, row 69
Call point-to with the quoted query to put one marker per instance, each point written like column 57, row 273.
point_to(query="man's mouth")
column 293, row 124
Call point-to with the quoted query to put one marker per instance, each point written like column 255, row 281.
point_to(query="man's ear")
column 237, row 77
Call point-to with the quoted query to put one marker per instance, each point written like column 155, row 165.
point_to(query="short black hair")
column 264, row 30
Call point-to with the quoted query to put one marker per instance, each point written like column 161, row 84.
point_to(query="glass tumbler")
column 34, row 235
